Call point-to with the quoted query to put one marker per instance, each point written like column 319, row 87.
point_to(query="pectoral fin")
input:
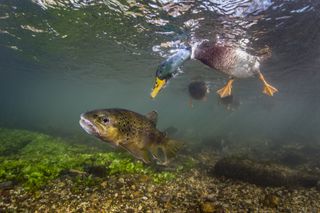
column 155, row 152
column 169, row 148
column 137, row 152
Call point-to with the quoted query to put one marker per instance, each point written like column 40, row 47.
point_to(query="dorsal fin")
column 153, row 117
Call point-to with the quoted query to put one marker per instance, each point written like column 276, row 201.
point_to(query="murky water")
column 61, row 58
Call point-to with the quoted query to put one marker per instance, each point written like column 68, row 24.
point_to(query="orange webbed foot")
column 267, row 88
column 226, row 90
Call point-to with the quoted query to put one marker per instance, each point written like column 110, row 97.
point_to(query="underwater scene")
column 159, row 106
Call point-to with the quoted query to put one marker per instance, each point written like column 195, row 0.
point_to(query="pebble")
column 104, row 184
column 271, row 200
column 121, row 180
column 150, row 188
column 130, row 210
column 211, row 197
column 6, row 185
column 207, row 207
column 202, row 193
column 165, row 198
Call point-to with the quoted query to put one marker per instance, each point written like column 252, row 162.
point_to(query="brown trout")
column 131, row 131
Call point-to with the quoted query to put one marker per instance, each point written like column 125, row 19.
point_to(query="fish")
column 133, row 132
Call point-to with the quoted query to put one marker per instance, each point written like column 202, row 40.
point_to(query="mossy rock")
column 263, row 174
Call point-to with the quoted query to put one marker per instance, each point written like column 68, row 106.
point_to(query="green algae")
column 45, row 158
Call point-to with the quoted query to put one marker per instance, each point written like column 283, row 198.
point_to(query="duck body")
column 226, row 59
column 232, row 61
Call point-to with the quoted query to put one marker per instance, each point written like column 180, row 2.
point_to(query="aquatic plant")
column 44, row 158
column 163, row 177
column 13, row 140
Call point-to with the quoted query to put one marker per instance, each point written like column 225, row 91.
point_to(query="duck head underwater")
column 229, row 60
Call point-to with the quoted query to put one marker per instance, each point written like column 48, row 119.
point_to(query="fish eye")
column 105, row 120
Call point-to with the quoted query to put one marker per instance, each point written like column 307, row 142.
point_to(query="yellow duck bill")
column 159, row 84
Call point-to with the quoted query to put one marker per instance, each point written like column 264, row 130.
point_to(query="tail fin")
column 169, row 149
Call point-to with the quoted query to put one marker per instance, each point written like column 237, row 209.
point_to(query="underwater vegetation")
column 57, row 174
column 32, row 159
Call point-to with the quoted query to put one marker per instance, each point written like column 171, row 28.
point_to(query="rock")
column 165, row 198
column 263, row 174
column 73, row 173
column 130, row 210
column 136, row 194
column 292, row 158
column 144, row 178
column 210, row 197
column 98, row 171
column 107, row 204
column 150, row 188
column 6, row 185
column 104, row 184
column 61, row 184
column 121, row 180
column 207, row 207
column 271, row 200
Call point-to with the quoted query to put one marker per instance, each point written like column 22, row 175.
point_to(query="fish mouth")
column 88, row 126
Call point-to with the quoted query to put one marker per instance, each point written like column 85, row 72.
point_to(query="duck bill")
column 159, row 84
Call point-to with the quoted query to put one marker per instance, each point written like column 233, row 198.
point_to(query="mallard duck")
column 234, row 62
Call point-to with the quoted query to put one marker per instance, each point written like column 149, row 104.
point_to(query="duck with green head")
column 229, row 60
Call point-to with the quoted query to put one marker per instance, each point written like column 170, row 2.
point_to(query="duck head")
column 169, row 68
